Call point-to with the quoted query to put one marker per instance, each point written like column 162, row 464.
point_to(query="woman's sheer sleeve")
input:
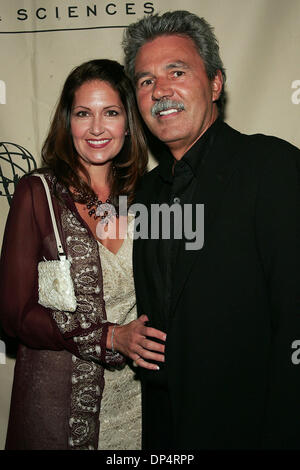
column 20, row 314
column 27, row 238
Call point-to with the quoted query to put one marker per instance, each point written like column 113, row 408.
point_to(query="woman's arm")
column 34, row 325
column 28, row 237
column 133, row 341
column 20, row 314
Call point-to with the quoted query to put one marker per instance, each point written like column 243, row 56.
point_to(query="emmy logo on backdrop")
column 15, row 161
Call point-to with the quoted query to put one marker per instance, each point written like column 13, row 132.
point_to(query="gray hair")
column 178, row 22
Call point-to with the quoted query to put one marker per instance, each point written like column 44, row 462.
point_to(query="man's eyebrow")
column 141, row 75
column 178, row 63
column 172, row 65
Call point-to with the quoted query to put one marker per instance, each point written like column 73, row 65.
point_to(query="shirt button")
column 176, row 200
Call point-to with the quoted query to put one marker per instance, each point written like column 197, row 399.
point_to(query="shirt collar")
column 192, row 157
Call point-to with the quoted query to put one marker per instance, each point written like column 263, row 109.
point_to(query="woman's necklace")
column 103, row 210
column 98, row 209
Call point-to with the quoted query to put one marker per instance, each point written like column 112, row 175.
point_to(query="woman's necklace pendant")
column 106, row 211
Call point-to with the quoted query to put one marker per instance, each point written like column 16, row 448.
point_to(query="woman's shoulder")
column 32, row 181
column 27, row 185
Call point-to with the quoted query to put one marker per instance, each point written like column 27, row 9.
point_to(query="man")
column 230, row 308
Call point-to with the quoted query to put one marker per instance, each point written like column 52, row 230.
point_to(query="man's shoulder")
column 151, row 175
column 259, row 139
column 148, row 183
column 259, row 147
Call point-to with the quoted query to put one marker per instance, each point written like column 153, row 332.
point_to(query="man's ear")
column 217, row 85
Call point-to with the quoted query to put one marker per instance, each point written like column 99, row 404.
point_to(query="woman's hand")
column 133, row 341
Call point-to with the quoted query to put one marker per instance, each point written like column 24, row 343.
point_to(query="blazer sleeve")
column 278, row 238
column 20, row 313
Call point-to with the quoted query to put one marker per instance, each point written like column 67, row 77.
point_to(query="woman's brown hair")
column 59, row 153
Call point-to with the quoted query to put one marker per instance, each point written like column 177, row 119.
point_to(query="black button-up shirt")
column 180, row 181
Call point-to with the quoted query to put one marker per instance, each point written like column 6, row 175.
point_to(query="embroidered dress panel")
column 120, row 414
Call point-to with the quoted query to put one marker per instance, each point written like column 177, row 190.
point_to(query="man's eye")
column 178, row 73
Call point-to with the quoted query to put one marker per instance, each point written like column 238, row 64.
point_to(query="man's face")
column 174, row 95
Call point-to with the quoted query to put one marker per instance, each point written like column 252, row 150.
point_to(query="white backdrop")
column 42, row 40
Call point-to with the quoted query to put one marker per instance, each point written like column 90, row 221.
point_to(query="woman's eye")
column 111, row 113
column 146, row 82
column 82, row 113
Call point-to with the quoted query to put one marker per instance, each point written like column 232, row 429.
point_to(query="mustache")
column 163, row 105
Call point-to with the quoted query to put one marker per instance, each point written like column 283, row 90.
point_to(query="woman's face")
column 98, row 123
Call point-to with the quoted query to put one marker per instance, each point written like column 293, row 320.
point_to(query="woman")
column 94, row 152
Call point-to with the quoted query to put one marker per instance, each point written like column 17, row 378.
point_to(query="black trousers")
column 157, row 421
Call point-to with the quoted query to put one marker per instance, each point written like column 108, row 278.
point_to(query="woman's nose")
column 97, row 127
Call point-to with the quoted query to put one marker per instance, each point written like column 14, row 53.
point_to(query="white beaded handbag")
column 56, row 288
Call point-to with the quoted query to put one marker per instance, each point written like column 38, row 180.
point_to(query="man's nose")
column 162, row 89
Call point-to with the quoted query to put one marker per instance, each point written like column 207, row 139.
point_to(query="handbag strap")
column 60, row 249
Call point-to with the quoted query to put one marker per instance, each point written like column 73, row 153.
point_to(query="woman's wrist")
column 111, row 338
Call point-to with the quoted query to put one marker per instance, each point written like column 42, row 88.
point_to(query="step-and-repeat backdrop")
column 42, row 40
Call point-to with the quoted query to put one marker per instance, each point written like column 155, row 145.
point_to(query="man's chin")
column 164, row 132
column 168, row 138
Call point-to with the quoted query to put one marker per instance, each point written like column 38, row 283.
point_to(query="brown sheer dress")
column 58, row 380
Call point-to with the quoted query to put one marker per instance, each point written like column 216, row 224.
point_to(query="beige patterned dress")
column 120, row 414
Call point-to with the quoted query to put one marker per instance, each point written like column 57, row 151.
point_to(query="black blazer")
column 235, row 305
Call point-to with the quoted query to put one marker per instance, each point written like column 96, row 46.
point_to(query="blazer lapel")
column 148, row 281
column 214, row 175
